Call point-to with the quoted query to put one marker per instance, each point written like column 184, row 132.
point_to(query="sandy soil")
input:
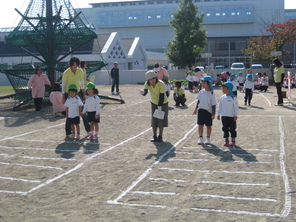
column 127, row 178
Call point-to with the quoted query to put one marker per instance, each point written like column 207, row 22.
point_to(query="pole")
column 50, row 40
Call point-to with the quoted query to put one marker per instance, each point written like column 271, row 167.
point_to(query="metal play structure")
column 49, row 31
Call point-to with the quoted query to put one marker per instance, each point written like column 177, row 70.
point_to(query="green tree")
column 189, row 37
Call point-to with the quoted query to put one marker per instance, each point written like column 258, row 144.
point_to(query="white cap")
column 150, row 74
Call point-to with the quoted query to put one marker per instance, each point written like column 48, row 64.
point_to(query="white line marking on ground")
column 234, row 161
column 288, row 201
column 147, row 172
column 215, row 171
column 119, row 144
column 13, row 192
column 50, row 141
column 54, row 179
column 34, row 131
column 133, row 104
column 153, row 193
column 188, row 160
column 233, row 184
column 163, row 179
column 236, row 212
column 26, row 165
column 37, row 158
column 209, row 154
column 45, row 158
column 235, row 198
column 269, row 103
column 185, row 170
column 246, row 172
column 69, row 171
column 234, row 149
column 135, row 205
column 18, row 179
column 43, row 149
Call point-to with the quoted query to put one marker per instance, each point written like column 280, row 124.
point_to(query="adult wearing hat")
column 160, row 72
column 159, row 102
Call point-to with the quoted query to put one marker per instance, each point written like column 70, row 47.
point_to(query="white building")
column 229, row 23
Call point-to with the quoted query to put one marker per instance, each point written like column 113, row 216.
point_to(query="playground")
column 125, row 177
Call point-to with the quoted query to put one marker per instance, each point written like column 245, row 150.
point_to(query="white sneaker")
column 200, row 141
column 208, row 140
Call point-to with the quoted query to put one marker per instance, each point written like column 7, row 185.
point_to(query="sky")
column 10, row 18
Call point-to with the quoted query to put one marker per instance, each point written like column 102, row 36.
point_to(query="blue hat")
column 232, row 76
column 240, row 72
column 249, row 76
column 208, row 79
column 229, row 85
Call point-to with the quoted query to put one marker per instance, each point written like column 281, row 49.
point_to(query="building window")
column 222, row 46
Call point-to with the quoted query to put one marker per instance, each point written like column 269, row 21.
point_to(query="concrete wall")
column 138, row 76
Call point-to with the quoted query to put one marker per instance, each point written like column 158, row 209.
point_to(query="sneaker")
column 77, row 136
column 154, row 139
column 232, row 142
column 208, row 140
column 96, row 137
column 279, row 104
column 226, row 142
column 159, row 139
column 92, row 137
column 200, row 141
column 71, row 136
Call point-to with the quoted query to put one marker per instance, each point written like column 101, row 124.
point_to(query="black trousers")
column 115, row 83
column 37, row 102
column 180, row 100
column 279, row 92
column 248, row 95
column 228, row 125
column 190, row 86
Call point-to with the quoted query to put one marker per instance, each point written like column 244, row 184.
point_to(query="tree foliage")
column 274, row 38
column 189, row 37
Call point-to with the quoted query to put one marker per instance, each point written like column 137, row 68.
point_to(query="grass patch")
column 6, row 90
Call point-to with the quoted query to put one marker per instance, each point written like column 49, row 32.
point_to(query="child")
column 92, row 107
column 56, row 98
column 249, row 88
column 228, row 110
column 190, row 80
column 73, row 106
column 233, row 80
column 241, row 81
column 167, row 86
column 206, row 106
column 264, row 82
column 195, row 80
column 179, row 94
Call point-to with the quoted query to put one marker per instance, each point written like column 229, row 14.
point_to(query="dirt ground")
column 127, row 178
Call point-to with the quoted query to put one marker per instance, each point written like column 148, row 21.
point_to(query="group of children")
column 206, row 110
column 74, row 108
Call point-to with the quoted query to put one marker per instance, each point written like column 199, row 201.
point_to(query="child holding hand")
column 92, row 108
column 73, row 106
